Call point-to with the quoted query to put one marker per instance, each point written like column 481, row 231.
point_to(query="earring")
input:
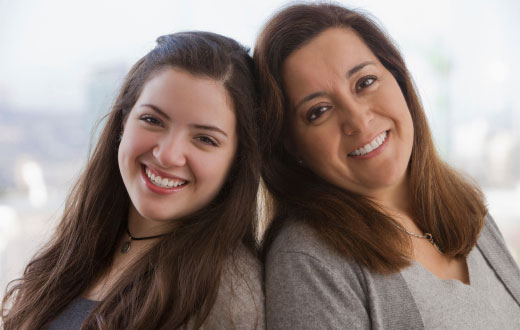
column 300, row 162
column 120, row 137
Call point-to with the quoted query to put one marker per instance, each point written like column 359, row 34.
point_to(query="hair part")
column 176, row 282
column 443, row 203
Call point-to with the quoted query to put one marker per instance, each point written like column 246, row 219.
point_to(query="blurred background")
column 61, row 63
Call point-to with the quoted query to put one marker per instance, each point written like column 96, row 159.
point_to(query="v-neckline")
column 469, row 267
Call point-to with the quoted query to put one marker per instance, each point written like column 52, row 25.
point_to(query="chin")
column 155, row 215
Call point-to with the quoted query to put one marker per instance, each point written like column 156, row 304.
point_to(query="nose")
column 170, row 151
column 355, row 116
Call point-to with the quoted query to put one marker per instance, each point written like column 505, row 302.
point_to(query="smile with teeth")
column 163, row 182
column 369, row 147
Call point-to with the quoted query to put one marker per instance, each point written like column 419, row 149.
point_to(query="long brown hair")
column 178, row 279
column 442, row 202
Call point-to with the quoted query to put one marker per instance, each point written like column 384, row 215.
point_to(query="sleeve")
column 302, row 292
column 240, row 300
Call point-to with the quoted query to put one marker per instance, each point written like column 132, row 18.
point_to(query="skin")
column 342, row 98
column 340, row 103
column 182, row 127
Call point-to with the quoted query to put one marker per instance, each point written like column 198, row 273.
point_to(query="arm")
column 303, row 292
column 240, row 300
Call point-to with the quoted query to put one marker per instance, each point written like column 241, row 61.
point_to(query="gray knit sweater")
column 310, row 286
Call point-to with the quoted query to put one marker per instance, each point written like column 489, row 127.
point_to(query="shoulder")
column 240, row 300
column 493, row 246
column 303, row 272
column 300, row 240
column 490, row 237
column 491, row 226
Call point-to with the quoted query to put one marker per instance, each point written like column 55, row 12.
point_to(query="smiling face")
column 177, row 147
column 350, row 123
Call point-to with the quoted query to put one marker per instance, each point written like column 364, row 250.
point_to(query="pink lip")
column 157, row 189
column 375, row 152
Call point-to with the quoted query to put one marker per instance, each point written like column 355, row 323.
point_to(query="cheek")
column 122, row 155
column 131, row 148
column 407, row 123
column 126, row 148
column 211, row 169
column 316, row 144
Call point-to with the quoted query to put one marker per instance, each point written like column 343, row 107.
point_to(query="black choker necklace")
column 126, row 245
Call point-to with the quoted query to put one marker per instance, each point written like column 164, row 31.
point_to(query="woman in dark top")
column 371, row 229
column 160, row 230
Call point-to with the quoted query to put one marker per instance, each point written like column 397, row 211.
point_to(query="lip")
column 160, row 190
column 375, row 152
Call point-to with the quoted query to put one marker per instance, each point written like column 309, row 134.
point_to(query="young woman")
column 371, row 230
column 159, row 232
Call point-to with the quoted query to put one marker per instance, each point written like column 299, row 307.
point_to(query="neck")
column 395, row 200
column 139, row 226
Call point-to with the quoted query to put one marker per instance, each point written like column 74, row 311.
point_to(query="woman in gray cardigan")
column 370, row 229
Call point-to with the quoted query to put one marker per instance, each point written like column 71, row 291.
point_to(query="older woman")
column 370, row 228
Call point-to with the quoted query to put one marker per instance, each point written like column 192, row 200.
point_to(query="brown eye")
column 316, row 112
column 207, row 140
column 151, row 120
column 365, row 82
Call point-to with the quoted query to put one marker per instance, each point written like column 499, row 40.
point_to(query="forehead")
column 178, row 92
column 332, row 52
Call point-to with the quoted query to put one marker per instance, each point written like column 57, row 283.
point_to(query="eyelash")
column 316, row 112
column 149, row 119
column 207, row 140
column 361, row 83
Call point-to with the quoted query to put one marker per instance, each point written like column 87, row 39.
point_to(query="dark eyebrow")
column 209, row 128
column 308, row 98
column 350, row 73
column 358, row 67
column 204, row 127
column 156, row 109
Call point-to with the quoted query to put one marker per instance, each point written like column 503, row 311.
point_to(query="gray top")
column 73, row 315
column 239, row 303
column 450, row 304
column 311, row 286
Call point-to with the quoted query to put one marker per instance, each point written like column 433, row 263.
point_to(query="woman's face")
column 350, row 123
column 178, row 144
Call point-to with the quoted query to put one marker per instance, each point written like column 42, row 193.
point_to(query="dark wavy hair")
column 443, row 203
column 176, row 282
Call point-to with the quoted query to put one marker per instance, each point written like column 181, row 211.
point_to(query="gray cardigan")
column 310, row 286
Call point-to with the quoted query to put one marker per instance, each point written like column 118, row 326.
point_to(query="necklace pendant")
column 125, row 247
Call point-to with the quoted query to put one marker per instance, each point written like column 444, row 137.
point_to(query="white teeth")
column 369, row 147
column 163, row 182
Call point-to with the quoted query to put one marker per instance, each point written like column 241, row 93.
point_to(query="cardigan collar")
column 493, row 248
